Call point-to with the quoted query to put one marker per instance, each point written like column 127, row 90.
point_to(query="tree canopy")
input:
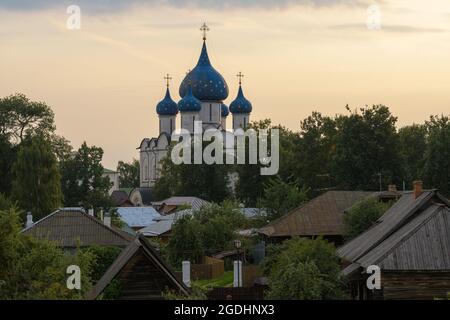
column 36, row 183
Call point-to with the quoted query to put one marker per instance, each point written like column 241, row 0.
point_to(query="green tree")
column 362, row 215
column 208, row 230
column 249, row 185
column 102, row 259
column 366, row 145
column 305, row 269
column 82, row 179
column 312, row 153
column 280, row 197
column 36, row 269
column 36, row 185
column 208, row 182
column 437, row 156
column 413, row 145
column 7, row 157
column 20, row 117
column 128, row 174
column 185, row 242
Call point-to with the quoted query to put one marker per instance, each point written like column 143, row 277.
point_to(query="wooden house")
column 410, row 244
column 141, row 273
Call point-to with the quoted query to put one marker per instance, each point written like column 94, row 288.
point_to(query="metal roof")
column 164, row 224
column 137, row 217
column 194, row 202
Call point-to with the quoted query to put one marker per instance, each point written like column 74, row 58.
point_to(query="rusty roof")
column 323, row 215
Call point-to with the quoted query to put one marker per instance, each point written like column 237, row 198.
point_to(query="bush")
column 304, row 269
column 362, row 216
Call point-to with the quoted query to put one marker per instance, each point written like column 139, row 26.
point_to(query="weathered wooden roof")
column 149, row 284
column 386, row 224
column 72, row 227
column 421, row 244
column 414, row 234
column 323, row 215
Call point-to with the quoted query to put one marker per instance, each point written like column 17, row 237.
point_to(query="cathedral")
column 203, row 92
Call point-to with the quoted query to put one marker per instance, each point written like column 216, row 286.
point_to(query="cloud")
column 389, row 28
column 99, row 6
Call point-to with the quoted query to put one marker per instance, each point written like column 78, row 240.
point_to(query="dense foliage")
column 36, row 269
column 128, row 174
column 206, row 231
column 36, row 185
column 304, row 269
column 362, row 215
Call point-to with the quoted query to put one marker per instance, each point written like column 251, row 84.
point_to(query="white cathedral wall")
column 187, row 120
column 240, row 120
column 211, row 112
column 167, row 124
column 224, row 123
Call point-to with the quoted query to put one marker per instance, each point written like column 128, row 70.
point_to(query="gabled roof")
column 414, row 234
column 71, row 227
column 125, row 261
column 323, row 215
column 393, row 218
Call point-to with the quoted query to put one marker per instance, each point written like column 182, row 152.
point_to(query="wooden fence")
column 210, row 268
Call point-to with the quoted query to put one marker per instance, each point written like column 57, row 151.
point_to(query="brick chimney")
column 392, row 188
column 418, row 188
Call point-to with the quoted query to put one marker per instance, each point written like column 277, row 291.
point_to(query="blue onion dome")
column 241, row 104
column 225, row 111
column 189, row 102
column 167, row 107
column 207, row 83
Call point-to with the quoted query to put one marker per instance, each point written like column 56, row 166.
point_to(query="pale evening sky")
column 104, row 81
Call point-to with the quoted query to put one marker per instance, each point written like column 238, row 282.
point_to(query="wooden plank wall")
column 415, row 286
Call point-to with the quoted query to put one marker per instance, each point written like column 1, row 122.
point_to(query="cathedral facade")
column 203, row 92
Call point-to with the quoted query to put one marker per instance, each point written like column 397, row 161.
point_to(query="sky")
column 103, row 81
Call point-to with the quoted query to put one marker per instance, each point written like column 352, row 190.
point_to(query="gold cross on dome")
column 240, row 76
column 167, row 78
column 204, row 28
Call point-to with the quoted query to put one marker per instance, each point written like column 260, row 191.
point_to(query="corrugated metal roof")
column 137, row 217
column 323, row 215
column 193, row 202
column 71, row 226
column 164, row 224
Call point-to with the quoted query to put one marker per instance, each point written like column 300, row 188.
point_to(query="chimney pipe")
column 91, row 212
column 418, row 188
column 29, row 222
column 107, row 219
